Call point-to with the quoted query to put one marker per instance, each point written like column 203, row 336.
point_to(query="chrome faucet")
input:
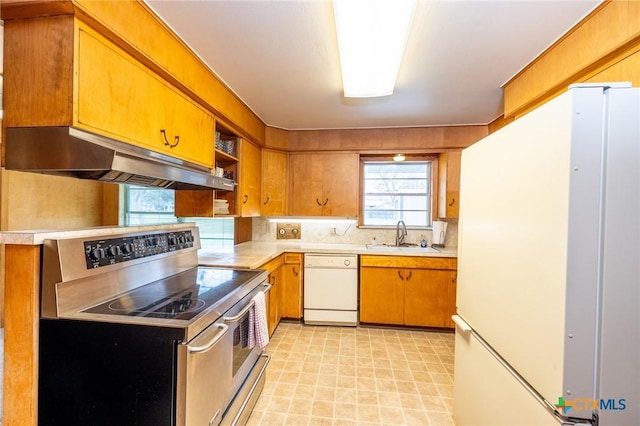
column 400, row 233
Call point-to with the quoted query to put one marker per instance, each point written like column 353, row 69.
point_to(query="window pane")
column 150, row 206
column 142, row 199
column 396, row 191
column 385, row 186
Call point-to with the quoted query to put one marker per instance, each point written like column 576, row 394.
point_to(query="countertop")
column 249, row 255
column 253, row 254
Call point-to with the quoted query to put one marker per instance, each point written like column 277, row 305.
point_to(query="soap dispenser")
column 423, row 242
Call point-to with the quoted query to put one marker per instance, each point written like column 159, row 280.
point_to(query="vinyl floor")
column 320, row 375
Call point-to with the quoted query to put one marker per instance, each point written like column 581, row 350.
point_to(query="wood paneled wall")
column 382, row 140
column 276, row 138
column 596, row 49
column 33, row 201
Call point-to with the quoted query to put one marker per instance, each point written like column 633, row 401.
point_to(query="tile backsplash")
column 263, row 230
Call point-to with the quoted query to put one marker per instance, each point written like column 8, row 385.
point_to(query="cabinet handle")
column 266, row 202
column 166, row 142
column 453, row 201
column 325, row 203
column 409, row 276
column 318, row 201
column 294, row 271
column 400, row 275
column 246, row 198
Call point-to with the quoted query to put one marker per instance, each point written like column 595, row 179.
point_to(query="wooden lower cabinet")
column 274, row 296
column 381, row 296
column 274, row 308
column 284, row 300
column 406, row 290
column 426, row 297
column 292, row 285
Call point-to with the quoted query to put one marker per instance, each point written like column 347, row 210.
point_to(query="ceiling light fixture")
column 398, row 157
column 372, row 35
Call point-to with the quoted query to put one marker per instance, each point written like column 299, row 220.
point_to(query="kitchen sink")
column 401, row 249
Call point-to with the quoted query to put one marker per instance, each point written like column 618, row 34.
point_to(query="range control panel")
column 116, row 250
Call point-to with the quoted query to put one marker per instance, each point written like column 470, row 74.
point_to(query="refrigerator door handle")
column 462, row 324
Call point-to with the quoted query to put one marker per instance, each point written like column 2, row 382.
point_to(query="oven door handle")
column 246, row 309
column 204, row 348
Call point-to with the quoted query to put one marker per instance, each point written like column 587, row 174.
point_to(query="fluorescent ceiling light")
column 372, row 35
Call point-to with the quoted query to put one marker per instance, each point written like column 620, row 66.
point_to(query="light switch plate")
column 288, row 231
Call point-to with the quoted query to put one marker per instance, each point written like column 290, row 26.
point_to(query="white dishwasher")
column 331, row 289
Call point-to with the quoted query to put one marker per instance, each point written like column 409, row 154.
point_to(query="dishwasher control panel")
column 331, row 261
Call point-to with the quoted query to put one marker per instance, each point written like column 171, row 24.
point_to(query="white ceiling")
column 281, row 58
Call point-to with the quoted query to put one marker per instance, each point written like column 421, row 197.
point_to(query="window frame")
column 386, row 158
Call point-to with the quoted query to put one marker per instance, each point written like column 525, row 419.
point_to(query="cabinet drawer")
column 293, row 258
column 120, row 98
column 408, row 262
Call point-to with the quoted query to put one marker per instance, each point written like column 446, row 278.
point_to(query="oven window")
column 241, row 349
column 144, row 206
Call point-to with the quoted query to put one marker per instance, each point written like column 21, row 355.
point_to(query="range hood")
column 69, row 151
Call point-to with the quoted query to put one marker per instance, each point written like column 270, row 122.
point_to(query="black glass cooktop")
column 182, row 296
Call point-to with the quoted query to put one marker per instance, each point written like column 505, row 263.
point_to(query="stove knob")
column 127, row 248
column 113, row 251
column 173, row 240
column 97, row 254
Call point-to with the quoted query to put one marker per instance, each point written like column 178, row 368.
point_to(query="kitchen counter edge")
column 252, row 254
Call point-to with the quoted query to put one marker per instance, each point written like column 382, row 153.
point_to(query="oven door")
column 204, row 364
column 244, row 357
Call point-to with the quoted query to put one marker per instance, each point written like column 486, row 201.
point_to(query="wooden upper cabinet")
column 249, row 188
column 120, row 98
column 323, row 184
column 275, row 171
column 64, row 73
column 449, row 176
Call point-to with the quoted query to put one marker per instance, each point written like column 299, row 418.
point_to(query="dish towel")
column 258, row 330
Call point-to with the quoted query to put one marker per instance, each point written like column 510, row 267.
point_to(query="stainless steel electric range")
column 134, row 332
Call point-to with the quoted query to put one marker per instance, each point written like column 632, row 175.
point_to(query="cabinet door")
column 340, row 184
column 274, row 297
column 274, row 313
column 292, row 279
column 275, row 168
column 120, row 98
column 449, row 175
column 453, row 183
column 451, row 299
column 249, row 180
column 427, row 295
column 381, row 296
column 305, row 190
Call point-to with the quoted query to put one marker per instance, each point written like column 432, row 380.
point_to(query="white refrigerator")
column 548, row 297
